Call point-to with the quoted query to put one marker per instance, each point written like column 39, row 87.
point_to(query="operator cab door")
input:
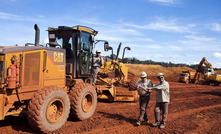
column 84, row 53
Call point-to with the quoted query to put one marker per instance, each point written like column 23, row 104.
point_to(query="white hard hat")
column 160, row 74
column 143, row 74
column 98, row 51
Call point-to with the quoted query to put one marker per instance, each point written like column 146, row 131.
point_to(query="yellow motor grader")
column 112, row 77
column 49, row 84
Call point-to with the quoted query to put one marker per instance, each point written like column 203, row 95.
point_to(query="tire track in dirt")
column 191, row 111
column 131, row 129
column 191, row 98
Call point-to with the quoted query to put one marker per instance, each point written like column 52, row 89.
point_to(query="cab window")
column 85, row 53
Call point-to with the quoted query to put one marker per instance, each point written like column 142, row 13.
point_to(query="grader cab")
column 50, row 83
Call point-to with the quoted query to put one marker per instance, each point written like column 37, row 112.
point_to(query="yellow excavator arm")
column 200, row 68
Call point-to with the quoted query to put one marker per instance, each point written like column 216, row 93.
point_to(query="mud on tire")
column 83, row 98
column 48, row 109
column 133, row 84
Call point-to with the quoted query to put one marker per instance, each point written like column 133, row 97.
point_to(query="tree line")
column 150, row 62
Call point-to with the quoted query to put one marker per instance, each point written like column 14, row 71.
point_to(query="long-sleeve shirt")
column 146, row 84
column 162, row 92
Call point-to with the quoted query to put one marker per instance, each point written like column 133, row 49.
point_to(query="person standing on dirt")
column 97, row 63
column 162, row 101
column 144, row 97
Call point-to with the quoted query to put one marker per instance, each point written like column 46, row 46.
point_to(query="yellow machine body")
column 106, row 88
column 38, row 68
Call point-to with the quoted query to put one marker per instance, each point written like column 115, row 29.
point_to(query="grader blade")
column 122, row 95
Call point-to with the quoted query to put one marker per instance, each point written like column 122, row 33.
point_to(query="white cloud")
column 217, row 65
column 216, row 27
column 217, row 55
column 45, row 41
column 198, row 38
column 195, row 62
column 166, row 2
column 14, row 17
column 168, row 25
column 111, row 38
column 141, row 57
column 144, row 39
column 157, row 56
column 165, row 58
column 163, row 1
column 200, row 43
column 153, row 46
column 176, row 48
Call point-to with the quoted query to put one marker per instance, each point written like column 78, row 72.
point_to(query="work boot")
column 162, row 125
column 138, row 123
column 155, row 124
column 146, row 121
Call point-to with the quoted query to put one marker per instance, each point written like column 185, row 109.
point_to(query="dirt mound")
column 218, row 72
column 171, row 73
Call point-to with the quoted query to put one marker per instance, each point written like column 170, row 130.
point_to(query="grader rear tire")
column 83, row 99
column 133, row 84
column 48, row 109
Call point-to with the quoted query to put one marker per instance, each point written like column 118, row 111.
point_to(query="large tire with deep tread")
column 83, row 98
column 48, row 109
column 133, row 83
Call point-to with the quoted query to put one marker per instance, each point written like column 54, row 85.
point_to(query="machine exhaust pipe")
column 37, row 35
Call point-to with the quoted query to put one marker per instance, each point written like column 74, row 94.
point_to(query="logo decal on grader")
column 58, row 57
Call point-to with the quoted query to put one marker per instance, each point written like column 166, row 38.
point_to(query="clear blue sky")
column 178, row 31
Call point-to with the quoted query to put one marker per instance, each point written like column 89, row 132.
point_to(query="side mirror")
column 92, row 38
column 128, row 48
column 106, row 46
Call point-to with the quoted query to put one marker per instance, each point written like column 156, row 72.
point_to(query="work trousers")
column 143, row 101
column 94, row 74
column 164, row 106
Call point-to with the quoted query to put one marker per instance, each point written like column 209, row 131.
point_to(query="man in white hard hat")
column 97, row 63
column 162, row 101
column 144, row 97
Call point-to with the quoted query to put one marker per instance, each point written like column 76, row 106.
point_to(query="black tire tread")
column 34, row 107
column 74, row 99
column 133, row 84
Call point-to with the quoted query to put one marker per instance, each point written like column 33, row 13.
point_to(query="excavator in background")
column 113, row 76
column 206, row 76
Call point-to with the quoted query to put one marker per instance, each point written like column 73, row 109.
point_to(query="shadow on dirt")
column 212, row 93
column 119, row 117
column 19, row 124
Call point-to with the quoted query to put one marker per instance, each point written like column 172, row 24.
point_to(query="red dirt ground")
column 194, row 109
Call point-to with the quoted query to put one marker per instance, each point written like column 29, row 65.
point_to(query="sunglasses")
column 160, row 77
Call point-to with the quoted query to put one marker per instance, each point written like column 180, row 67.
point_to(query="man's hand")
column 149, row 91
